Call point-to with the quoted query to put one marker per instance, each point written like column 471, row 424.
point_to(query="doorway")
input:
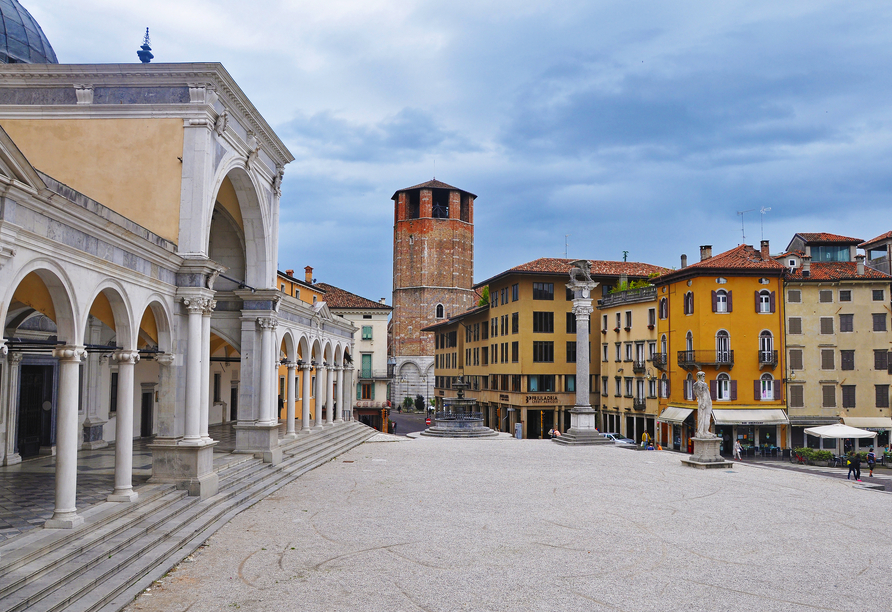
column 146, row 416
column 37, row 409
column 233, row 403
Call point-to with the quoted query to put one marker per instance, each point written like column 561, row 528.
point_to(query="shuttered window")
column 794, row 296
column 796, row 396
column 794, row 325
column 882, row 393
column 846, row 323
column 827, row 359
column 796, row 359
column 845, row 295
column 846, row 360
column 826, row 325
column 829, row 396
column 879, row 321
column 848, row 396
column 881, row 359
column 825, row 296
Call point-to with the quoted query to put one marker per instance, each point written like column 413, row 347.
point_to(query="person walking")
column 850, row 461
column 856, row 464
column 738, row 450
column 871, row 460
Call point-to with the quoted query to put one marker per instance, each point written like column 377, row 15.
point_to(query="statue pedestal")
column 706, row 454
column 582, row 429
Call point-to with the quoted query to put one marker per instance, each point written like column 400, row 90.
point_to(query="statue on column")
column 704, row 407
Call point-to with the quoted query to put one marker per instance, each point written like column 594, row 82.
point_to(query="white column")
column 289, row 409
column 123, row 491
column 12, row 372
column 320, row 394
column 192, row 436
column 65, row 514
column 305, row 400
column 329, row 394
column 341, row 399
column 267, row 411
column 206, row 369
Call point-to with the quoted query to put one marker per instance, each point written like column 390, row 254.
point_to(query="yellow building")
column 723, row 316
column 519, row 351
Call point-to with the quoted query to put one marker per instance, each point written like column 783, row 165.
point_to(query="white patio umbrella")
column 839, row 430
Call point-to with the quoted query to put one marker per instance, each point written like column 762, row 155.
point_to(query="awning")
column 840, row 431
column 747, row 416
column 674, row 415
column 872, row 423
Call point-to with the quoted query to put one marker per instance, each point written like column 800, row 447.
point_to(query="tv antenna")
column 762, row 212
column 566, row 245
column 742, row 234
column 625, row 255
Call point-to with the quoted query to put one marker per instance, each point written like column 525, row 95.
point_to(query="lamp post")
column 405, row 381
column 427, row 385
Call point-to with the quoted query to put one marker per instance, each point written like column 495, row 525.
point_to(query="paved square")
column 442, row 525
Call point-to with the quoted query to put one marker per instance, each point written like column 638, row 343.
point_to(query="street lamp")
column 427, row 387
column 405, row 381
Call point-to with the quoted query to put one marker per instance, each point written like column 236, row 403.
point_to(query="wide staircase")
column 122, row 548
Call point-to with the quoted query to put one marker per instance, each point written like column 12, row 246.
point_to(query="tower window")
column 440, row 311
column 440, row 204
column 414, row 208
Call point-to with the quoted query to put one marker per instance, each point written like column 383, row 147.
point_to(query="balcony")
column 694, row 360
column 630, row 296
column 767, row 359
column 639, row 404
column 370, row 374
column 659, row 361
column 639, row 366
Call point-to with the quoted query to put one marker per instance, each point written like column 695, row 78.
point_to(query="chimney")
column 308, row 275
column 684, row 260
column 806, row 265
column 860, row 265
column 763, row 247
column 705, row 252
column 382, row 301
column 290, row 273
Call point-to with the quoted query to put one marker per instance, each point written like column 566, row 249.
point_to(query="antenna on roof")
column 625, row 256
column 741, row 213
column 566, row 245
column 762, row 212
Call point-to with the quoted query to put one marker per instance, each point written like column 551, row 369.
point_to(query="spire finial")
column 145, row 52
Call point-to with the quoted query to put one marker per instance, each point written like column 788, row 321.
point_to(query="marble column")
column 339, row 417
column 206, row 369
column 266, row 414
column 11, row 384
column 329, row 394
column 96, row 375
column 195, row 308
column 290, row 432
column 305, row 399
column 65, row 513
column 320, row 394
column 123, row 491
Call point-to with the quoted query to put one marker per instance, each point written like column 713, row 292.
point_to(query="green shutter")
column 373, row 390
column 359, row 391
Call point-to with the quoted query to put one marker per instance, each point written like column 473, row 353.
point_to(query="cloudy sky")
column 630, row 125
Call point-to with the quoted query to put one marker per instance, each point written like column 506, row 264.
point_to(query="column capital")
column 289, row 364
column 72, row 354
column 15, row 358
column 104, row 358
column 196, row 305
column 3, row 348
column 305, row 366
column 209, row 307
column 267, row 322
column 126, row 357
column 582, row 308
column 165, row 359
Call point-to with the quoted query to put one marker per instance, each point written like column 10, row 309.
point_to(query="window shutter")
column 795, row 325
column 668, row 390
column 757, row 301
column 771, row 298
column 733, row 389
column 777, row 389
column 373, row 390
column 730, row 307
column 713, row 393
column 359, row 392
column 714, row 301
column 795, row 359
column 757, row 389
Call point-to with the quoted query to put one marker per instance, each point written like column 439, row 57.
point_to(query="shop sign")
column 542, row 399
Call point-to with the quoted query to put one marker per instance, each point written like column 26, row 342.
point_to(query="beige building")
column 837, row 339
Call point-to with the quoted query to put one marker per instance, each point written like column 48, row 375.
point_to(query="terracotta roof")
column 453, row 319
column 434, row 184
column 869, row 243
column 558, row 266
column 825, row 237
column 743, row 258
column 836, row 270
column 338, row 298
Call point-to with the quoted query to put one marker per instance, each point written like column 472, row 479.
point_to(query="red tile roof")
column 869, row 243
column 338, row 298
column 825, row 237
column 455, row 318
column 558, row 266
column 434, row 184
column 835, row 271
column 743, row 258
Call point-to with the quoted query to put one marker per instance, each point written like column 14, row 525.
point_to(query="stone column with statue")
column 707, row 445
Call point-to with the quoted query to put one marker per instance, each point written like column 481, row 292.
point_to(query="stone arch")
column 162, row 318
column 288, row 346
column 233, row 341
column 59, row 296
column 112, row 292
column 303, row 349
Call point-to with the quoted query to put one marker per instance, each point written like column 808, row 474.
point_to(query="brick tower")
column 433, row 271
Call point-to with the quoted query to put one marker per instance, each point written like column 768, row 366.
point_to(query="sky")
column 584, row 127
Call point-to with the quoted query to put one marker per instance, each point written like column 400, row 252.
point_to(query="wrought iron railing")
column 659, row 361
column 638, row 367
column 370, row 374
column 695, row 359
column 639, row 403
column 768, row 358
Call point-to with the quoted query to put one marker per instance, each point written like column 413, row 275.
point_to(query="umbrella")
column 840, row 431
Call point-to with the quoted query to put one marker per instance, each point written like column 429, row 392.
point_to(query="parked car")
column 619, row 438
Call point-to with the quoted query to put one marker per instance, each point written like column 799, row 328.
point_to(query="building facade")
column 433, row 273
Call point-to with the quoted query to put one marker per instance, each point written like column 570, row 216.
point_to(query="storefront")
column 881, row 425
column 675, row 428
column 761, row 432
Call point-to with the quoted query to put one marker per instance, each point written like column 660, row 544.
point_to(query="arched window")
column 723, row 387
column 664, row 308
column 689, row 342
column 720, row 301
column 765, row 388
column 440, row 311
column 764, row 301
column 766, row 347
column 722, row 347
column 689, row 387
column 689, row 303
column 663, row 347
column 664, row 387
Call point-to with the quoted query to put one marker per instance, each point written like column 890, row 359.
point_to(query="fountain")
column 459, row 417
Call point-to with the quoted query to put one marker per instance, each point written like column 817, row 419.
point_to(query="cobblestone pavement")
column 506, row 525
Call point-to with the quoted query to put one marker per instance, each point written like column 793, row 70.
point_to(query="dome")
column 21, row 39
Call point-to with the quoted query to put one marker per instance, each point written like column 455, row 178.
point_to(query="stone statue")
column 581, row 279
column 221, row 122
column 704, row 407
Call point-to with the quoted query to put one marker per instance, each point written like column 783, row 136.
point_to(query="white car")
column 618, row 438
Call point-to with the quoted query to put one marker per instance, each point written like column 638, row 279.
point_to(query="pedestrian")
column 851, row 463
column 856, row 463
column 871, row 460
column 394, row 427
column 738, row 450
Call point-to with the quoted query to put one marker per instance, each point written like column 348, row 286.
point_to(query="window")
column 604, row 353
column 604, row 326
column 515, row 322
column 826, row 325
column 515, row 292
column 879, row 321
column 569, row 295
column 846, row 323
column 794, row 325
column 628, row 351
column 540, row 383
column 439, row 311
column 651, row 317
column 619, row 351
column 570, row 383
column 689, row 342
column 689, row 303
column 828, row 393
column 504, row 325
column 827, row 362
column 651, row 350
column 721, row 301
column 882, row 396
column 619, row 321
column 628, row 383
column 722, row 347
column 794, row 296
column 543, row 291
column 664, row 387
column 366, row 391
column 543, row 322
column 796, row 359
column 765, row 388
column 571, row 323
column 845, row 295
column 881, row 360
column 494, row 298
column 825, row 296
column 664, row 308
column 504, row 293
column 846, row 360
column 604, row 386
column 571, row 352
column 543, row 352
column 628, row 320
column 484, row 355
column 366, row 332
column 878, row 295
column 848, row 396
column 797, row 397
column 515, row 352
column 652, row 388
column 689, row 387
column 494, row 327
column 664, row 348
column 723, row 388
column 764, row 301
column 766, row 347
column 618, row 392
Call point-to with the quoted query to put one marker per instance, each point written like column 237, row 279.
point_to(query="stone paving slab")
column 443, row 525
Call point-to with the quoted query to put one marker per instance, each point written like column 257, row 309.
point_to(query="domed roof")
column 21, row 39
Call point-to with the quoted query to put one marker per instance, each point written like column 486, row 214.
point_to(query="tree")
column 419, row 403
column 484, row 297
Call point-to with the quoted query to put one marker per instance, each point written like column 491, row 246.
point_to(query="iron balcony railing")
column 659, row 361
column 696, row 359
column 638, row 366
column 630, row 296
column 768, row 358
column 639, row 403
column 370, row 374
